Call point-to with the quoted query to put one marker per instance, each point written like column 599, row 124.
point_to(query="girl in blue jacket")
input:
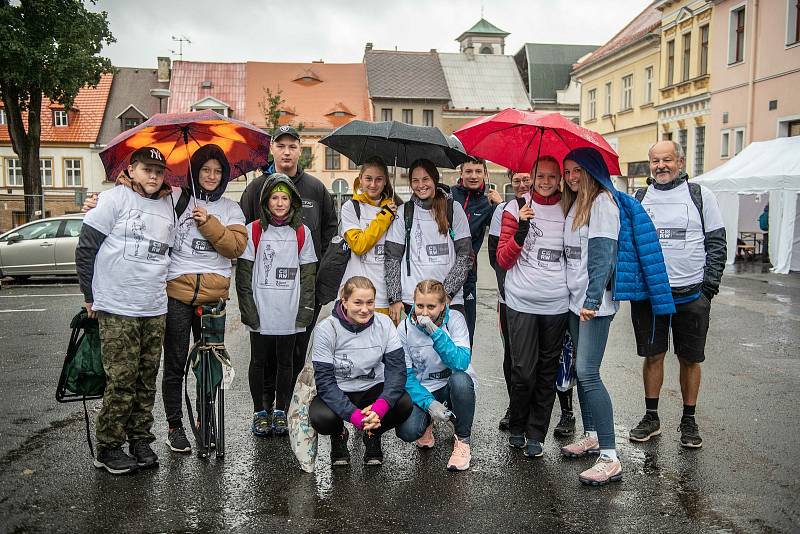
column 439, row 373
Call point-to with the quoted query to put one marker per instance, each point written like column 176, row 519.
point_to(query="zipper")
column 196, row 289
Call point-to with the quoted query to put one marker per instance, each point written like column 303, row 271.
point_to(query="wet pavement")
column 745, row 479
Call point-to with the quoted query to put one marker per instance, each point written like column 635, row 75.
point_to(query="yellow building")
column 685, row 99
column 619, row 93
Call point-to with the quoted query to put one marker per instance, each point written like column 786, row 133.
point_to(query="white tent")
column 770, row 168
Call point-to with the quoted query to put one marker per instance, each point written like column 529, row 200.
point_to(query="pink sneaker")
column 427, row 441
column 603, row 471
column 582, row 447
column 459, row 460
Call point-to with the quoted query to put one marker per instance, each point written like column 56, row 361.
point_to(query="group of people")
column 396, row 351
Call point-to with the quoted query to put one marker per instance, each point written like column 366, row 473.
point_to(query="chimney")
column 368, row 47
column 469, row 50
column 433, row 50
column 163, row 69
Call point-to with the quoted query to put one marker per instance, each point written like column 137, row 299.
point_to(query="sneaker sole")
column 424, row 447
column 539, row 455
column 516, row 446
column 451, row 467
column 646, row 438
column 589, row 482
column 581, row 455
column 175, row 449
column 147, row 466
column 373, row 462
column 691, row 445
column 340, row 462
column 101, row 465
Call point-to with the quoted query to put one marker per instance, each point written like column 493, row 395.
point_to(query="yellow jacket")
column 361, row 241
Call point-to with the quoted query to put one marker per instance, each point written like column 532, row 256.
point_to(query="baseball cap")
column 285, row 130
column 149, row 156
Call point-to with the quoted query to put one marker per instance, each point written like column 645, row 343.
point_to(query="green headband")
column 281, row 188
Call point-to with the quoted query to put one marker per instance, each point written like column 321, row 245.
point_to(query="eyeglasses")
column 517, row 183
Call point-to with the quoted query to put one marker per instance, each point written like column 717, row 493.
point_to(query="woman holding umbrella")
column 435, row 234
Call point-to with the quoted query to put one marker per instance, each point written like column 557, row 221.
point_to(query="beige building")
column 619, row 92
column 685, row 77
column 755, row 56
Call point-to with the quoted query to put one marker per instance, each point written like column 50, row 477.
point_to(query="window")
column 682, row 138
column 687, row 55
column 670, row 62
column 793, row 22
column 13, row 172
column 738, row 140
column 42, row 230
column 699, row 149
column 352, row 165
column 72, row 228
column 306, row 154
column 73, row 173
column 648, row 85
column 736, row 36
column 607, row 110
column 3, row 116
column 592, row 104
column 627, row 92
column 46, row 172
column 486, row 49
column 703, row 50
column 724, row 149
column 332, row 159
column 408, row 116
column 60, row 118
column 792, row 128
column 386, row 114
column 131, row 122
column 427, row 117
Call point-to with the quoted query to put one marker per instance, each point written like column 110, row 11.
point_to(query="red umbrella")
column 178, row 135
column 516, row 139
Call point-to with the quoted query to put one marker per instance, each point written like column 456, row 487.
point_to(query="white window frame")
column 783, row 125
column 702, row 153
column 18, row 180
column 42, row 164
column 738, row 133
column 60, row 113
column 426, row 114
column 408, row 113
column 3, row 119
column 609, row 87
column 686, row 69
column 70, row 172
column 648, row 84
column 591, row 97
column 626, row 93
column 384, row 114
column 791, row 19
column 725, row 144
column 732, row 16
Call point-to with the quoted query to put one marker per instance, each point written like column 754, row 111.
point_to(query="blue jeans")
column 590, row 339
column 459, row 394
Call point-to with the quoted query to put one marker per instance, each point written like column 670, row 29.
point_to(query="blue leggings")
column 590, row 339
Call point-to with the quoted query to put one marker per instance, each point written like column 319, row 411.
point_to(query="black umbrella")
column 396, row 143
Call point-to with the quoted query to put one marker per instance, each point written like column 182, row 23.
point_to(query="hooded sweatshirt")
column 479, row 213
column 276, row 294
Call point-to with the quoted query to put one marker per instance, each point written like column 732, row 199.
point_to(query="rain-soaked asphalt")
column 744, row 479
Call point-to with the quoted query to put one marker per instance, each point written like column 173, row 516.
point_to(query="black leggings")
column 181, row 320
column 270, row 372
column 327, row 423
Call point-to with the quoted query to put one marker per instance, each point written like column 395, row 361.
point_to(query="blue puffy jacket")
column 641, row 272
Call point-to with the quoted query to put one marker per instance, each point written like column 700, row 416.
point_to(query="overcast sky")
column 337, row 30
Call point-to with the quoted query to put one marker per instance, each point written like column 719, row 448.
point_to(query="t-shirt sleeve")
column 457, row 326
column 460, row 222
column 604, row 218
column 104, row 216
column 393, row 341
column 323, row 348
column 403, row 337
column 711, row 212
column 249, row 251
column 307, row 253
column 397, row 229
column 497, row 221
column 349, row 221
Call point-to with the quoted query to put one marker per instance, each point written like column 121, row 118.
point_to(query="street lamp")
column 160, row 94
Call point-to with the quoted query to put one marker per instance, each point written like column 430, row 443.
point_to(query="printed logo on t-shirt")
column 184, row 229
column 200, row 246
column 285, row 277
column 375, row 255
column 417, row 359
column 573, row 256
column 137, row 246
column 342, row 367
column 308, row 204
column 267, row 256
column 549, row 259
column 367, row 376
column 441, row 375
column 671, row 220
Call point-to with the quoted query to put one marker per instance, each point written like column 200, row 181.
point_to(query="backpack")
column 408, row 215
column 763, row 221
column 82, row 375
column 333, row 265
column 694, row 191
column 256, row 232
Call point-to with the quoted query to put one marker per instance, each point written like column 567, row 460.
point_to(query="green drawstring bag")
column 82, row 376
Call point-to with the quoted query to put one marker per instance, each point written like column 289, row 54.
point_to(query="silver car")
column 42, row 247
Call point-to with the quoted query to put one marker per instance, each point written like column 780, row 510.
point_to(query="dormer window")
column 60, row 118
column 307, row 77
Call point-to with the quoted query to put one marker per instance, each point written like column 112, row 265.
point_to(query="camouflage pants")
column 131, row 355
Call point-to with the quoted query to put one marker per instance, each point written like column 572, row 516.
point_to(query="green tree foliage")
column 48, row 49
column 272, row 106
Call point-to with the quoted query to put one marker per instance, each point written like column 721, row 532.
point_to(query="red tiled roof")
column 227, row 84
column 644, row 23
column 84, row 118
column 341, row 87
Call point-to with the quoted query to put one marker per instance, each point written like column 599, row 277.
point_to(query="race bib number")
column 376, row 255
column 438, row 253
column 549, row 259
column 285, row 277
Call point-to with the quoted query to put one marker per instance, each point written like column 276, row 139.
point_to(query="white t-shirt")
column 191, row 252
column 357, row 357
column 680, row 230
column 603, row 222
column 494, row 229
column 370, row 264
column 130, row 270
column 431, row 372
column 537, row 283
column 276, row 277
column 432, row 254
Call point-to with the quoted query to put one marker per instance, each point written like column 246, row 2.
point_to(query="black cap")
column 285, row 130
column 149, row 156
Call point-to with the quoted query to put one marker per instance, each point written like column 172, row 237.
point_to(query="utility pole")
column 180, row 40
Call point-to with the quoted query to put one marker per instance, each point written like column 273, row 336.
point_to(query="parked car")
column 42, row 247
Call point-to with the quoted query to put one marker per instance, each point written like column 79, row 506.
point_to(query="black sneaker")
column 690, row 434
column 145, row 457
column 373, row 454
column 339, row 453
column 565, row 426
column 649, row 426
column 115, row 461
column 533, row 449
column 177, row 440
column 503, row 425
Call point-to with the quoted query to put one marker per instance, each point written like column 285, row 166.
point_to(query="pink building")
column 755, row 58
